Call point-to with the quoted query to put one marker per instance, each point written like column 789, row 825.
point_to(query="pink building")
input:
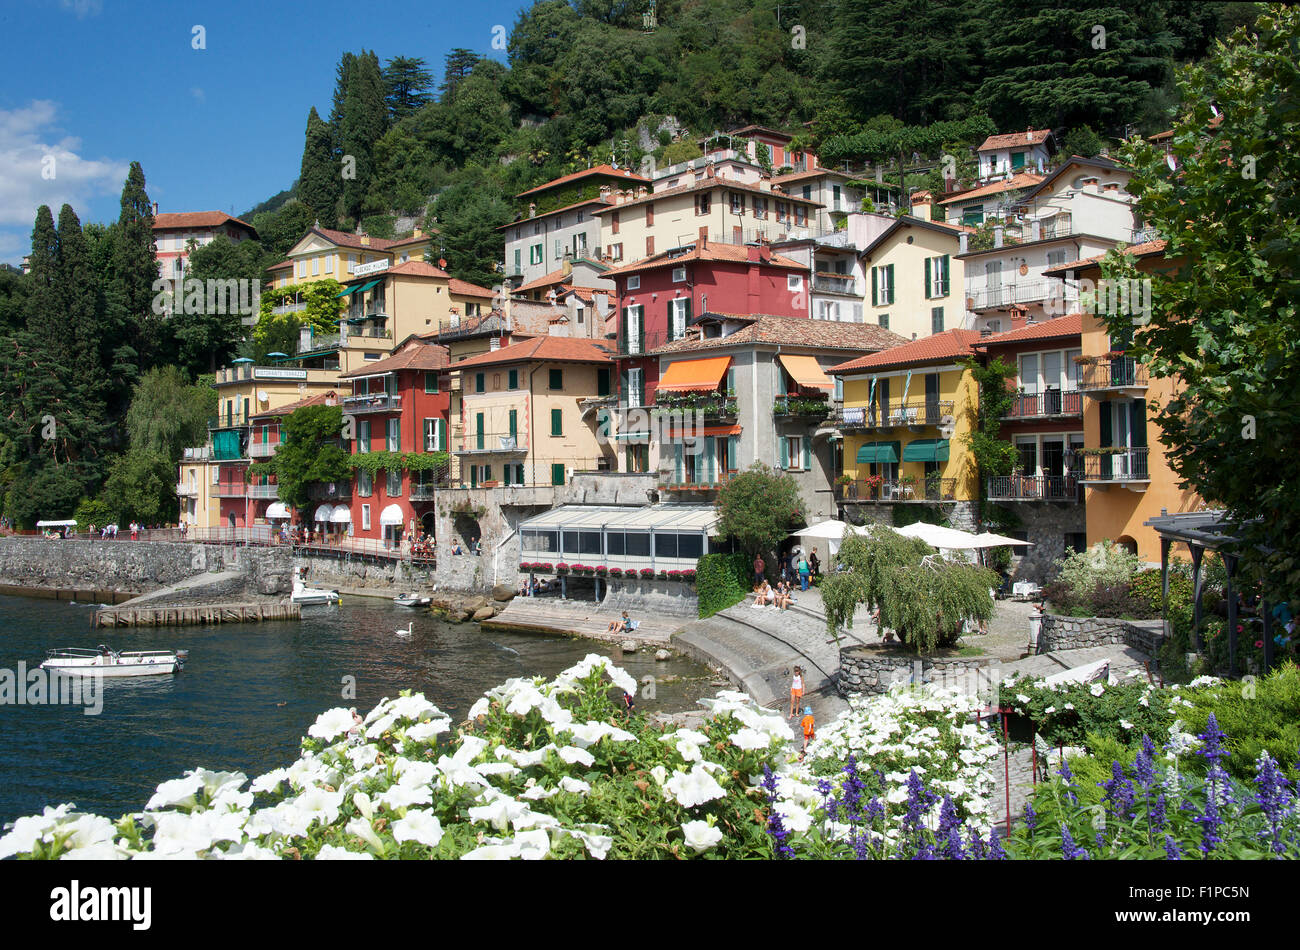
column 173, row 232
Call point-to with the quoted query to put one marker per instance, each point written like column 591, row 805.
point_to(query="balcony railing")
column 309, row 344
column 372, row 402
column 230, row 490
column 696, row 483
column 1008, row 294
column 1128, row 465
column 228, row 420
column 184, row 488
column 1122, row 372
column 1063, row 488
column 834, row 285
column 493, row 443
column 261, row 450
column 330, row 491
column 369, row 333
column 894, row 414
column 1044, row 405
column 801, row 406
column 289, row 307
column 891, row 490
column 713, row 406
column 263, row 491
column 639, row 345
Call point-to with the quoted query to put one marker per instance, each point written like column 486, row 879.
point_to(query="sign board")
column 372, row 268
column 276, row 372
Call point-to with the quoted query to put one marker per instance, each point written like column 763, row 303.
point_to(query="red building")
column 398, row 404
column 657, row 298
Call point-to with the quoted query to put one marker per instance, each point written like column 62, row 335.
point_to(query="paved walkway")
column 581, row 618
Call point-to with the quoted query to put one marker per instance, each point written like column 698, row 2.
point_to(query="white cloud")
column 39, row 166
column 83, row 8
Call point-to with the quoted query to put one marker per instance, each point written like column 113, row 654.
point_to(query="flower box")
column 616, row 572
column 561, row 568
column 688, row 575
column 663, row 575
column 602, row 571
column 647, row 572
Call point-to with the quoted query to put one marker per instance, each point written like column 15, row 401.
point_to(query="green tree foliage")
column 364, row 121
column 993, row 454
column 468, row 215
column 280, row 230
column 206, row 339
column 134, row 273
column 721, row 581
column 407, row 82
column 278, row 332
column 758, row 508
column 457, row 65
column 1226, row 323
column 141, row 487
column 310, row 452
column 1083, row 141
column 169, row 413
column 320, row 182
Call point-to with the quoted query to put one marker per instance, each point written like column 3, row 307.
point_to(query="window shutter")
column 875, row 293
column 677, row 463
column 602, row 382
column 622, row 330
column 1138, row 423
column 514, row 423
column 640, row 327
column 623, row 387
column 946, row 271
column 785, row 453
column 710, row 461
column 927, row 278
column 807, row 455
column 889, row 272
column 1105, row 425
column 672, row 320
column 686, row 307
column 557, row 422
column 733, row 451
column 640, row 389
column 514, row 379
column 442, row 435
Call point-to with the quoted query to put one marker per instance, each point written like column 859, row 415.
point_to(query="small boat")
column 412, row 600
column 302, row 594
column 102, row 661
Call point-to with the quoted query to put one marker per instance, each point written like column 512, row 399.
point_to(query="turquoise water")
column 249, row 692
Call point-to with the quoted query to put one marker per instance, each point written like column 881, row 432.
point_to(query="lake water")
column 250, row 691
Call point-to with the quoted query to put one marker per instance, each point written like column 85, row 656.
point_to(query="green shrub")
column 721, row 580
column 1258, row 715
column 93, row 511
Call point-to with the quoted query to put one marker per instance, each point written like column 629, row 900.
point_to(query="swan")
column 407, row 631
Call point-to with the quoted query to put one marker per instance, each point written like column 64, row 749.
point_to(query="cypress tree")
column 365, row 119
column 319, row 183
column 135, row 270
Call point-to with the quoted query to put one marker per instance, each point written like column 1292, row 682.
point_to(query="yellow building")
column 1126, row 472
column 522, row 421
column 906, row 412
column 914, row 281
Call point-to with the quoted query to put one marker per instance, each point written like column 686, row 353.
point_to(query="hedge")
column 721, row 580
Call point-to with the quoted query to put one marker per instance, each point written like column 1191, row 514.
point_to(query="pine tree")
column 407, row 82
column 457, row 64
column 319, row 183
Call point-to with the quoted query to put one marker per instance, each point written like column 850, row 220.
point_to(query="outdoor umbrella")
column 989, row 540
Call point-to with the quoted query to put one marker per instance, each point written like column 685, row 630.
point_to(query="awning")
column 323, row 513
column 341, row 515
column 878, row 453
column 277, row 510
column 391, row 515
column 926, row 450
column 348, row 292
column 56, row 524
column 806, row 372
column 676, row 434
column 684, row 376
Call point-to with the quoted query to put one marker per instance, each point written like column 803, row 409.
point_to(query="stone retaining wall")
column 675, row 598
column 1071, row 633
column 873, row 670
column 378, row 573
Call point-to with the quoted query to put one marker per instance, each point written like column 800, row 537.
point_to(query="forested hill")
column 587, row 82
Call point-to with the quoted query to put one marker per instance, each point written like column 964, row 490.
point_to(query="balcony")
column 310, row 343
column 1114, row 374
column 1005, row 295
column 691, row 483
column 834, row 284
column 289, row 308
column 912, row 413
column 424, row 491
column 262, row 450
column 638, row 346
column 493, row 443
column 1052, row 404
column 894, row 490
column 803, row 407
column 1058, row 488
column 330, row 491
column 230, row 490
column 228, row 420
column 714, row 406
column 1116, row 466
column 360, row 337
column 183, row 489
column 373, row 402
column 263, row 491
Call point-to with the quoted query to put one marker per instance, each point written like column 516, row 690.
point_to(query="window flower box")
column 688, row 575
column 616, row 572
column 647, row 572
column 561, row 568
column 602, row 571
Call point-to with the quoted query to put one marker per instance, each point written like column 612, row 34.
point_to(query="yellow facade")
column 909, row 312
column 914, row 418
column 199, row 508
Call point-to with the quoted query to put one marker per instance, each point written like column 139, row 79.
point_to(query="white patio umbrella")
column 832, row 532
column 937, row 536
column 988, row 539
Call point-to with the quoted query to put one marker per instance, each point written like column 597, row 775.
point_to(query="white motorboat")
column 302, row 594
column 412, row 600
column 105, row 662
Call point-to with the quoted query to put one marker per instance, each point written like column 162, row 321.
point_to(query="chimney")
column 605, row 191
column 997, row 236
column 710, row 172
column 765, row 183
column 365, row 240
column 963, row 242
column 641, row 191
column 417, row 233
column 155, row 209
column 532, row 210
column 754, row 252
column 921, row 205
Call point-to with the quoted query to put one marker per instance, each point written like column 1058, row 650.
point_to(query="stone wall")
column 962, row 515
column 872, row 669
column 651, row 597
column 379, row 574
column 1072, row 633
column 1046, row 525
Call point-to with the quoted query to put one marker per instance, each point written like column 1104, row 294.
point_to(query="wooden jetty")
column 193, row 614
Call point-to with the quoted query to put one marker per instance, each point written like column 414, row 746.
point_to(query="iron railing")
column 263, row 491
column 1120, row 372
column 261, row 450
column 835, row 285
column 1128, row 465
column 1007, row 294
column 1033, row 488
column 372, row 402
column 1052, row 402
column 801, row 406
column 890, row 490
column 923, row 412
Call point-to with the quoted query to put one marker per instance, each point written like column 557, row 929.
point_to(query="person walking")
column 796, row 690
column 809, row 729
column 758, row 569
column 804, row 572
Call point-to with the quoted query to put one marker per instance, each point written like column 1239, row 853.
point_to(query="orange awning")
column 687, row 376
column 806, row 373
column 676, row 434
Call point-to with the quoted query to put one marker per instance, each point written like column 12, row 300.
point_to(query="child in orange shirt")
column 809, row 728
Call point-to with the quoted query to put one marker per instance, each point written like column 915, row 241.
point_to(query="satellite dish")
column 263, row 395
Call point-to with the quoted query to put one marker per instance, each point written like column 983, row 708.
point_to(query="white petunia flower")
column 332, row 852
column 331, row 724
column 694, row 788
column 574, row 785
column 420, row 826
column 27, row 832
column 700, row 835
column 576, row 756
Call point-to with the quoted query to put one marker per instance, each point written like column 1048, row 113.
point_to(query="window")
column 579, row 244
column 936, row 319
column 352, row 263
column 363, row 436
column 800, row 215
column 795, row 453
column 581, row 313
column 632, row 328
column 679, row 275
column 936, row 276
column 794, row 282
column 882, row 285
column 394, row 435
column 480, row 382
column 431, row 381
column 518, row 264
column 835, row 197
column 315, row 266
column 1056, row 258
column 557, row 379
column 557, row 473
column 760, row 208
column 972, row 215
column 649, row 245
column 514, row 424
column 737, row 202
column 634, row 282
column 649, row 215
column 635, row 388
column 329, row 263
column 435, row 435
column 365, row 517
column 557, row 422
column 602, row 381
column 782, row 211
column 559, row 249
column 582, row 216
column 616, row 252
column 1017, row 161
column 480, row 437
column 535, row 254
column 364, row 485
column 679, row 315
column 1029, row 373
column 702, row 203
column 512, row 379
column 394, row 486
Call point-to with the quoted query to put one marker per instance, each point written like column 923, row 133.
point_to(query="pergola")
column 1205, row 531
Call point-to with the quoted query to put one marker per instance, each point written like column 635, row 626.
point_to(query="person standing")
column 815, row 563
column 796, row 690
column 758, row 569
column 804, row 571
column 809, row 728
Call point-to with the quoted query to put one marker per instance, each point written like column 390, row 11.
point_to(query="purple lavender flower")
column 1031, row 817
column 919, row 801
column 1210, row 820
column 1144, row 764
column 1171, row 849
column 1069, row 850
column 1066, row 774
column 775, row 827
column 1274, row 800
column 1119, row 791
column 978, row 850
column 1212, row 737
column 996, row 851
column 1156, row 813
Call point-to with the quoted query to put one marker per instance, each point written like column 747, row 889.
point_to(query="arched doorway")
column 1128, row 544
column 428, row 522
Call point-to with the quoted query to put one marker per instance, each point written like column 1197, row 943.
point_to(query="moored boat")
column 101, row 661
column 302, row 594
column 412, row 600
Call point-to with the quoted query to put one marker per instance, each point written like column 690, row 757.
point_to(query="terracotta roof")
column 794, row 331
column 775, row 133
column 413, row 269
column 1012, row 139
column 608, row 170
column 1145, row 249
column 195, row 219
column 1015, row 182
column 705, row 184
column 1070, row 325
column 348, row 239
column 412, row 239
column 316, row 400
column 416, row 356
column 942, row 347
column 546, row 280
column 714, row 251
column 543, row 214
column 469, row 326
column 811, row 173
column 281, row 265
column 552, row 349
column 463, row 288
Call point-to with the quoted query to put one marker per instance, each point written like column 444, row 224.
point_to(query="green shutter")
column 1105, row 433
column 622, row 331
column 807, row 454
column 686, row 303
column 473, row 476
column 478, row 382
column 889, row 269
column 1138, row 423
column 672, row 321
column 514, row 423
column 602, row 382
column 640, row 387
column 710, row 461
column 557, row 473
column 557, row 422
column 875, row 293
column 442, row 435
column 733, row 451
column 478, row 427
column 785, row 455
column 505, row 474
column 936, row 319
column 514, row 379
column 557, row 379
column 927, row 278
column 946, row 271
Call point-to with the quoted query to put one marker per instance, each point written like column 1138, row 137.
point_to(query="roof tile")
column 950, row 345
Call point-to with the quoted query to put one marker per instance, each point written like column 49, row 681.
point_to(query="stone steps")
column 583, row 619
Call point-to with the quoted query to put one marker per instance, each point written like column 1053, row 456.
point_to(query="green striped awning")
column 926, row 450
column 878, row 453
column 350, row 290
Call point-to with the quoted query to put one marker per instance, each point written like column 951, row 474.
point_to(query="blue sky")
column 92, row 85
